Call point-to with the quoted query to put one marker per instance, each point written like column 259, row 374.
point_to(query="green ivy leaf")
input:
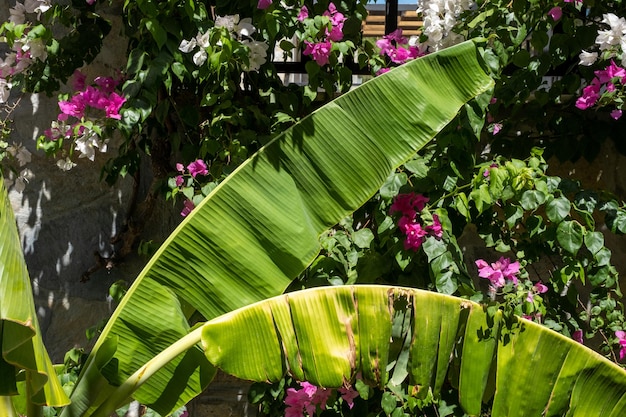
column 398, row 412
column 418, row 167
column 532, row 199
column 558, row 209
column 363, row 238
column 513, row 213
column 569, row 234
column 603, row 257
column 362, row 388
column 462, row 205
column 156, row 30
column 385, row 224
column 534, row 225
column 388, row 402
column 392, row 185
column 616, row 220
column 481, row 197
column 594, row 241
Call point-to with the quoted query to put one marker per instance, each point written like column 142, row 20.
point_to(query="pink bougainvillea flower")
column 113, row 106
column 397, row 37
column 92, row 97
column 487, row 172
column 179, row 180
column 320, row 51
column 610, row 72
column 79, row 81
column 384, row 44
column 555, row 13
column 91, row 2
column 187, row 208
column 336, row 18
column 497, row 127
column 303, row 14
column 390, row 45
column 414, row 232
column 197, row 167
column 335, row 34
column 408, row 204
column 435, row 229
column 498, row 272
column 616, row 114
column 414, row 52
column 264, row 4
column 621, row 336
column 305, row 399
column 180, row 167
column 540, row 288
column 106, row 84
column 578, row 336
column 348, row 395
column 382, row 71
column 591, row 94
column 74, row 108
column 398, row 55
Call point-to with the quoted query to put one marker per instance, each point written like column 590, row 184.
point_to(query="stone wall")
column 65, row 218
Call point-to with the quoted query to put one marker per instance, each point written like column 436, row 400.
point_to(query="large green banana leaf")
column 24, row 362
column 327, row 335
column 259, row 229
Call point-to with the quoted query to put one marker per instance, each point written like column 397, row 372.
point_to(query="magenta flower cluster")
column 308, row 398
column 410, row 206
column 499, row 272
column 393, row 44
column 320, row 50
column 195, row 168
column 100, row 96
column 621, row 338
column 606, row 81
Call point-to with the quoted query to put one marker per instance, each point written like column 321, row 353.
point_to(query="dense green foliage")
column 201, row 92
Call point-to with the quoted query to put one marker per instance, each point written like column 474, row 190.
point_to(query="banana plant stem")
column 123, row 393
column 6, row 407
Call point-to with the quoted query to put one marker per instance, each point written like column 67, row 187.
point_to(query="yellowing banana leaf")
column 25, row 367
column 327, row 335
column 259, row 228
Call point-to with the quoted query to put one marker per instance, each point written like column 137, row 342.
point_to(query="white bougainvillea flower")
column 244, row 27
column 36, row 48
column 587, row 58
column 5, row 90
column 613, row 36
column 6, row 64
column 24, row 178
column 439, row 17
column 258, row 54
column 202, row 39
column 17, row 14
column 37, row 6
column 187, row 46
column 87, row 143
column 19, row 152
column 66, row 164
column 199, row 58
column 227, row 22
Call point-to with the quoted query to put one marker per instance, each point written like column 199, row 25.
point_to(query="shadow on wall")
column 64, row 218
